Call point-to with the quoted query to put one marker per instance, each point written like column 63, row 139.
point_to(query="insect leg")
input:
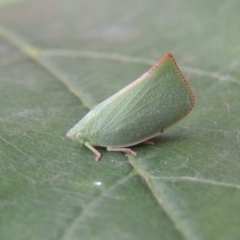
column 149, row 142
column 124, row 150
column 94, row 150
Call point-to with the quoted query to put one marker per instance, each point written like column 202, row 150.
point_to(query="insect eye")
column 78, row 135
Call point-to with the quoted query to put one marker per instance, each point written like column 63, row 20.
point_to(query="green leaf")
column 59, row 59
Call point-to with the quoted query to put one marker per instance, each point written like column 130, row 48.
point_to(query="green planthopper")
column 155, row 101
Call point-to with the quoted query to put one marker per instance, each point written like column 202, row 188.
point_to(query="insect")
column 155, row 101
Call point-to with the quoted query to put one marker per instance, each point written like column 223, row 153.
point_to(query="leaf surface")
column 58, row 60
